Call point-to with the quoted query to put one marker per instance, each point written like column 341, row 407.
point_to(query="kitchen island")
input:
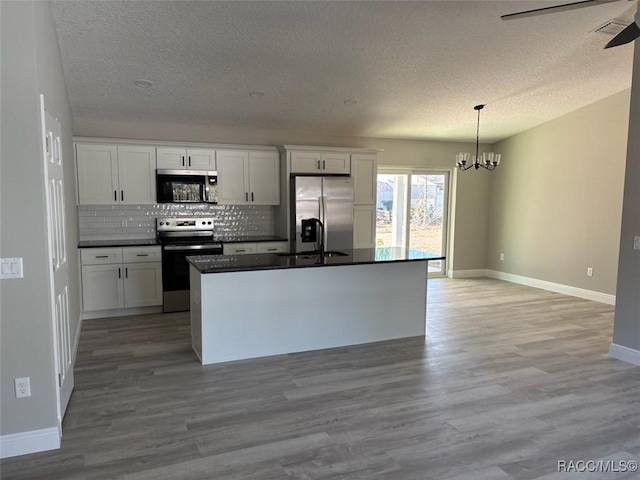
column 249, row 306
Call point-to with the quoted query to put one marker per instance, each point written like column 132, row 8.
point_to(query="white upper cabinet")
column 336, row 163
column 137, row 175
column 264, row 178
column 364, row 172
column 201, row 159
column 186, row 158
column 248, row 177
column 97, row 167
column 306, row 162
column 172, row 158
column 233, row 186
column 320, row 162
column 109, row 174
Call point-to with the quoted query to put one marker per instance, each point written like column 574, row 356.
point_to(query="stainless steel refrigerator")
column 329, row 199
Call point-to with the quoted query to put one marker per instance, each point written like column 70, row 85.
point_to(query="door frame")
column 446, row 231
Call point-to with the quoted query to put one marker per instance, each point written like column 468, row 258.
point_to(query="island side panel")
column 269, row 312
column 196, row 310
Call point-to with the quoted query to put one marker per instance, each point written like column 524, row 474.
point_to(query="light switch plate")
column 11, row 268
column 636, row 242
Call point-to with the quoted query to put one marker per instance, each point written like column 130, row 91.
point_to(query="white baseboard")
column 467, row 273
column 625, row 354
column 122, row 312
column 554, row 287
column 29, row 442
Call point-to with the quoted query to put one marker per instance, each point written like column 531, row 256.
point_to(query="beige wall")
column 30, row 66
column 470, row 189
column 556, row 200
column 626, row 331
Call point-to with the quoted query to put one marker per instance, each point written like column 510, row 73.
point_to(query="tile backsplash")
column 116, row 222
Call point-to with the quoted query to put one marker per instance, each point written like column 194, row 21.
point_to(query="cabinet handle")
column 122, row 195
column 252, row 196
column 183, row 161
column 318, row 164
column 119, row 273
column 241, row 250
column 189, row 160
column 126, row 272
column 324, row 164
column 115, row 195
column 102, row 256
column 271, row 249
column 246, row 196
column 142, row 254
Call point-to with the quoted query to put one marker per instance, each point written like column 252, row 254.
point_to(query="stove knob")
column 161, row 223
column 204, row 223
column 167, row 223
column 209, row 223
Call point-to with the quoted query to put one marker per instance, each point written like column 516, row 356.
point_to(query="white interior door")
column 58, row 264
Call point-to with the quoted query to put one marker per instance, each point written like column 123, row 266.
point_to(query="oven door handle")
column 178, row 248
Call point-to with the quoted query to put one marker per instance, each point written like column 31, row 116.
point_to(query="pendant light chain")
column 478, row 133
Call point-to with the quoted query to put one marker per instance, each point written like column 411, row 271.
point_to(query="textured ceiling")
column 416, row 68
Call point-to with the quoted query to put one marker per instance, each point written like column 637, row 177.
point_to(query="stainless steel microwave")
column 186, row 186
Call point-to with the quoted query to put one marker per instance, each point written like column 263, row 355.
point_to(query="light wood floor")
column 509, row 381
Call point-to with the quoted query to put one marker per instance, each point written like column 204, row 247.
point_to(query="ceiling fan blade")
column 627, row 35
column 554, row 9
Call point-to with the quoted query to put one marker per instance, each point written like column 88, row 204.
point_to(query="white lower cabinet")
column 364, row 226
column 238, row 248
column 102, row 287
column 272, row 247
column 142, row 284
column 257, row 247
column 110, row 283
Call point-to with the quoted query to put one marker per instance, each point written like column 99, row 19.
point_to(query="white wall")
column 30, row 66
column 556, row 200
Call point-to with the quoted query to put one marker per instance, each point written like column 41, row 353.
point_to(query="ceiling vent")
column 611, row 27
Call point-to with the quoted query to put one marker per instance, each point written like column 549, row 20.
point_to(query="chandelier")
column 486, row 160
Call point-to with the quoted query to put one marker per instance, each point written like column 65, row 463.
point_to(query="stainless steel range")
column 181, row 237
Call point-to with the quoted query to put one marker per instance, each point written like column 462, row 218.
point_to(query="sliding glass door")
column 412, row 212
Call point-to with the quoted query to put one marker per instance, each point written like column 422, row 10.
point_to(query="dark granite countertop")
column 248, row 238
column 145, row 242
column 272, row 261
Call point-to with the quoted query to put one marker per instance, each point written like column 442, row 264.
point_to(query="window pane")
column 410, row 213
column 426, row 215
column 390, row 210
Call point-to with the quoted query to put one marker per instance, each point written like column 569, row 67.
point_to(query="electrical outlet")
column 501, row 257
column 589, row 272
column 23, row 387
column 636, row 243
